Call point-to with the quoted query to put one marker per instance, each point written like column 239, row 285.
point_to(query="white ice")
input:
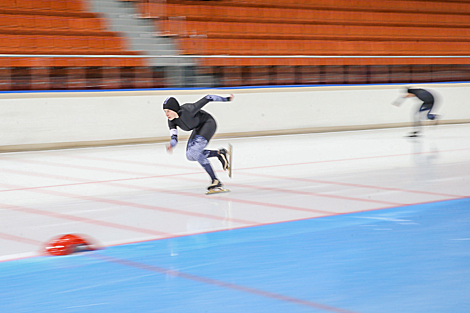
column 132, row 193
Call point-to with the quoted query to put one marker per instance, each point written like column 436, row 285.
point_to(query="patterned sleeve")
column 174, row 137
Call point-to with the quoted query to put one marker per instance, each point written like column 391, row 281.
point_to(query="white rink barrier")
column 51, row 120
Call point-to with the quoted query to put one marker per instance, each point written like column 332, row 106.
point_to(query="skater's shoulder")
column 192, row 109
column 188, row 107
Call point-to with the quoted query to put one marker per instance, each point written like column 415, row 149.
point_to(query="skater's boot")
column 215, row 184
column 434, row 118
column 222, row 156
column 414, row 134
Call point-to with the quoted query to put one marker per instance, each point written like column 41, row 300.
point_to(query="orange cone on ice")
column 68, row 244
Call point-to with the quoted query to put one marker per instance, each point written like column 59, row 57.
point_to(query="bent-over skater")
column 190, row 117
column 424, row 111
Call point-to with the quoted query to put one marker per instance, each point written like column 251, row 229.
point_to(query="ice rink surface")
column 359, row 221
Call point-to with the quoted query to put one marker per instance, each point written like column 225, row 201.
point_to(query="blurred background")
column 116, row 44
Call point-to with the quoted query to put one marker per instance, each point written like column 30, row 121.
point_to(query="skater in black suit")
column 424, row 111
column 190, row 117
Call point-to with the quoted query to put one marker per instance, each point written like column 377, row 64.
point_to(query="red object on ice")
column 68, row 244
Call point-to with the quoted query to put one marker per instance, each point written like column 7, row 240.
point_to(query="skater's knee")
column 195, row 148
column 196, row 156
column 192, row 155
column 203, row 160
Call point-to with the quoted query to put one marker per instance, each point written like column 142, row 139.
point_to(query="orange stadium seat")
column 251, row 27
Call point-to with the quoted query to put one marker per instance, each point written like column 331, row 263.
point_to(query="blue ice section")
column 408, row 259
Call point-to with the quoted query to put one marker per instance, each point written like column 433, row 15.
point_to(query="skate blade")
column 217, row 190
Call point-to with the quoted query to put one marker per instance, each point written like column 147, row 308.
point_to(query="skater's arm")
column 173, row 141
column 173, row 135
column 219, row 98
column 195, row 107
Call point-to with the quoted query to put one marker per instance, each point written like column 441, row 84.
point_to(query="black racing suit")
column 426, row 106
column 203, row 125
column 191, row 117
column 425, row 96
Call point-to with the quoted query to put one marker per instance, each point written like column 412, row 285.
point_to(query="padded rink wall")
column 50, row 120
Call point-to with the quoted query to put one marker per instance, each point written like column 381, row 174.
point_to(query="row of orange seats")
column 43, row 5
column 24, row 23
column 55, row 23
column 303, row 16
column 448, row 7
column 234, row 61
column 208, row 46
column 32, row 62
column 181, row 27
column 40, row 44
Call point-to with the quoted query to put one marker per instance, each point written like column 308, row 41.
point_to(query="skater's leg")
column 207, row 130
column 195, row 152
column 417, row 121
column 423, row 114
column 431, row 116
column 426, row 109
column 211, row 153
column 416, row 124
column 418, row 117
column 222, row 156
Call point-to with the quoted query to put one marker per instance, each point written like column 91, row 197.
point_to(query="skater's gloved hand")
column 169, row 148
column 219, row 98
column 231, row 97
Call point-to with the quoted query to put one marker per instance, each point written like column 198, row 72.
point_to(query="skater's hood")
column 171, row 104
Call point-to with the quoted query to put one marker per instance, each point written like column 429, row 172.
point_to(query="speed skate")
column 229, row 168
column 217, row 190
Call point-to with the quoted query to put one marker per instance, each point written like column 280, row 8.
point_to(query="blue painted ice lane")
column 407, row 259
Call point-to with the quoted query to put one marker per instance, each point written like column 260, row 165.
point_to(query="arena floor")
column 361, row 221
